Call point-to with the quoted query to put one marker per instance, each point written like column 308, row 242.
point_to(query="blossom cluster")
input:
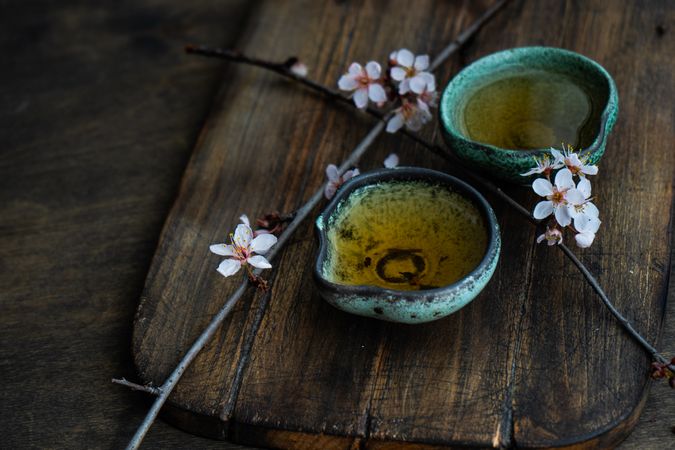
column 245, row 250
column 406, row 83
column 664, row 370
column 569, row 202
column 335, row 180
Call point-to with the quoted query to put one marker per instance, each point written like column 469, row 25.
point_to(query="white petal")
column 391, row 161
column 243, row 235
column 572, row 210
column 429, row 98
column 392, row 56
column 423, row 107
column 259, row 261
column 329, row 190
column 532, row 172
column 541, row 238
column 562, row 215
column 587, row 224
column 376, row 93
column 395, row 123
column 361, row 98
column 591, row 210
column 244, row 219
column 373, row 70
column 405, row 58
column 584, row 186
column 589, row 170
column 262, row 243
column 575, row 197
column 355, row 69
column 584, row 240
column 573, row 160
column 229, row 267
column 332, row 172
column 415, row 121
column 543, row 210
column 349, row 174
column 222, row 249
column 299, row 69
column 417, row 84
column 404, row 87
column 424, row 112
column 564, row 179
column 557, row 155
column 542, row 187
column 347, row 83
column 429, row 79
column 593, row 224
column 421, row 62
column 397, row 73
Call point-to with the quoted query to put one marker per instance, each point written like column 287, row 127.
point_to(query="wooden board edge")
column 607, row 437
column 256, row 435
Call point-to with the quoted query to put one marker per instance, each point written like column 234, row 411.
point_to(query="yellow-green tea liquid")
column 405, row 236
column 531, row 109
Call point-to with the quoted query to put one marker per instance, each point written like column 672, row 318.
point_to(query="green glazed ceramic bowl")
column 508, row 164
column 406, row 306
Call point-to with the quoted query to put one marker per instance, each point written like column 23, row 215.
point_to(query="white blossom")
column 586, row 208
column 560, row 198
column 299, row 69
column 335, row 180
column 364, row 83
column 391, row 161
column 545, row 165
column 411, row 114
column 409, row 71
column 576, row 164
column 552, row 236
column 587, row 227
column 243, row 249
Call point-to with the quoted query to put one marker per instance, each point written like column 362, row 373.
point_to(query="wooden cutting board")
column 534, row 361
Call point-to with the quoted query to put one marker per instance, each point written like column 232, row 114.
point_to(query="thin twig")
column 281, row 68
column 572, row 257
column 465, row 35
column 137, row 387
column 284, row 69
column 603, row 296
column 440, row 151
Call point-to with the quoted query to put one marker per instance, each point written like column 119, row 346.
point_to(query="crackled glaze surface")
column 448, row 271
column 508, row 164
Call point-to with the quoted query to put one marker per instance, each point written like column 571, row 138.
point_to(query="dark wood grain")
column 535, row 361
column 99, row 111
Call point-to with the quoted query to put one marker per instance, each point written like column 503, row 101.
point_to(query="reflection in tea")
column 531, row 109
column 404, row 235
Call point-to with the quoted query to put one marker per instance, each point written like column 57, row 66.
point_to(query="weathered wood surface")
column 99, row 110
column 535, row 361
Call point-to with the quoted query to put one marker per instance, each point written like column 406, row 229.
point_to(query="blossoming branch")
column 405, row 84
column 568, row 202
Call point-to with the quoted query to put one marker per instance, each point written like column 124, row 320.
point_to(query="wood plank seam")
column 250, row 334
column 527, row 371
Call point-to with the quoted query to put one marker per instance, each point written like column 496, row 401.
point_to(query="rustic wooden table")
column 100, row 112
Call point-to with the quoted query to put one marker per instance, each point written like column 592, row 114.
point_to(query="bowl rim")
column 405, row 174
column 609, row 109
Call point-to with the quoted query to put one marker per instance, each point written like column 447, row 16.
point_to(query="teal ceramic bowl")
column 423, row 238
column 508, row 163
